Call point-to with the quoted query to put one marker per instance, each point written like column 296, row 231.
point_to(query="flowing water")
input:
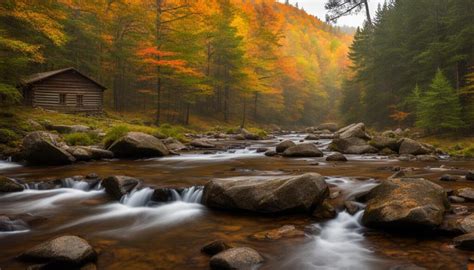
column 138, row 233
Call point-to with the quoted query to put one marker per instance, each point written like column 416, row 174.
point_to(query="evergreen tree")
column 439, row 108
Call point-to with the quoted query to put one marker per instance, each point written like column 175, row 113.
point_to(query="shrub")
column 7, row 136
column 114, row 134
column 83, row 139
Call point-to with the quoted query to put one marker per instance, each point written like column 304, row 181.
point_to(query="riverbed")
column 138, row 234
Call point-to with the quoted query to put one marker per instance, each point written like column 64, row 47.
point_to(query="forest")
column 414, row 66
column 225, row 59
column 237, row 134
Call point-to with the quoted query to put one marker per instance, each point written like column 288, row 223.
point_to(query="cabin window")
column 80, row 100
column 62, row 99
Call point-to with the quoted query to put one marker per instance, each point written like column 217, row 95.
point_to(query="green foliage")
column 82, row 139
column 9, row 95
column 438, row 108
column 7, row 136
column 177, row 132
column 114, row 134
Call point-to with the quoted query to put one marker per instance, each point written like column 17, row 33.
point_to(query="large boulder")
column 64, row 251
column 283, row 194
column 281, row 147
column 398, row 203
column 43, row 148
column 119, row 185
column 381, row 142
column 336, row 157
column 352, row 145
column 9, row 185
column 236, row 258
column 354, row 130
column 303, row 150
column 138, row 145
column 412, row 147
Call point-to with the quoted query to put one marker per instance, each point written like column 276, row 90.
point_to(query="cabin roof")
column 34, row 78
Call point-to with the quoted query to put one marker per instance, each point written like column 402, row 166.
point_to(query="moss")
column 259, row 132
column 8, row 136
column 83, row 139
column 114, row 134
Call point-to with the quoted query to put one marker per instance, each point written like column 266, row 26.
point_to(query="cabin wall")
column 47, row 93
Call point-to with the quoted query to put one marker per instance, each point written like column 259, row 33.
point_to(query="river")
column 137, row 233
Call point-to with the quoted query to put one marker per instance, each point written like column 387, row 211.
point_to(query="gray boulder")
column 352, row 145
column 236, row 258
column 43, row 148
column 202, row 143
column 312, row 137
column 398, row 203
column 303, row 150
column 354, row 131
column 138, row 145
column 174, row 145
column 412, row 147
column 65, row 251
column 336, row 157
column 281, row 147
column 64, row 129
column 381, row 142
column 117, row 186
column 283, row 194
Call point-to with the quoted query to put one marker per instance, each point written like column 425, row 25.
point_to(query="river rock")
column 325, row 211
column 352, row 207
column 119, row 185
column 236, row 258
column 303, row 150
column 202, row 143
column 336, row 157
column 398, row 203
column 138, row 145
column 271, row 153
column 450, row 178
column 262, row 150
column 466, row 193
column 333, row 127
column 8, row 224
column 427, row 158
column 43, row 148
column 9, row 185
column 412, row 147
column 465, row 241
column 470, row 176
column 287, row 231
column 215, row 247
column 456, row 199
column 312, row 137
column 87, row 153
column 281, row 147
column 65, row 251
column 381, row 142
column 354, row 131
column 279, row 195
column 353, row 145
column 173, row 144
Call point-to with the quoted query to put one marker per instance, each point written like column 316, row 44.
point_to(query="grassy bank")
column 16, row 122
column 454, row 146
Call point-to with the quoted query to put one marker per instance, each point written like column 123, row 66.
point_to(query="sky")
column 316, row 7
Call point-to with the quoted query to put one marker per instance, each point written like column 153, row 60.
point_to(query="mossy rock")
column 8, row 185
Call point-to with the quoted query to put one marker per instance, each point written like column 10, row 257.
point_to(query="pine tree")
column 439, row 108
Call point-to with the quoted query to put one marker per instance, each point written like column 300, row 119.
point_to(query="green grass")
column 114, row 134
column 454, row 146
column 83, row 139
column 8, row 136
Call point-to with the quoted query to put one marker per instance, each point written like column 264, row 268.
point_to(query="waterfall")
column 189, row 195
column 137, row 198
column 71, row 183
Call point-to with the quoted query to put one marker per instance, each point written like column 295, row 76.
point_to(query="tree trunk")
column 244, row 113
column 255, row 115
column 188, row 108
column 367, row 12
column 159, row 4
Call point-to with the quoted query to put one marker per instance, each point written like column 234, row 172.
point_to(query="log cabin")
column 64, row 90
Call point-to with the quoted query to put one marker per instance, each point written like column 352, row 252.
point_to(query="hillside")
column 233, row 61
